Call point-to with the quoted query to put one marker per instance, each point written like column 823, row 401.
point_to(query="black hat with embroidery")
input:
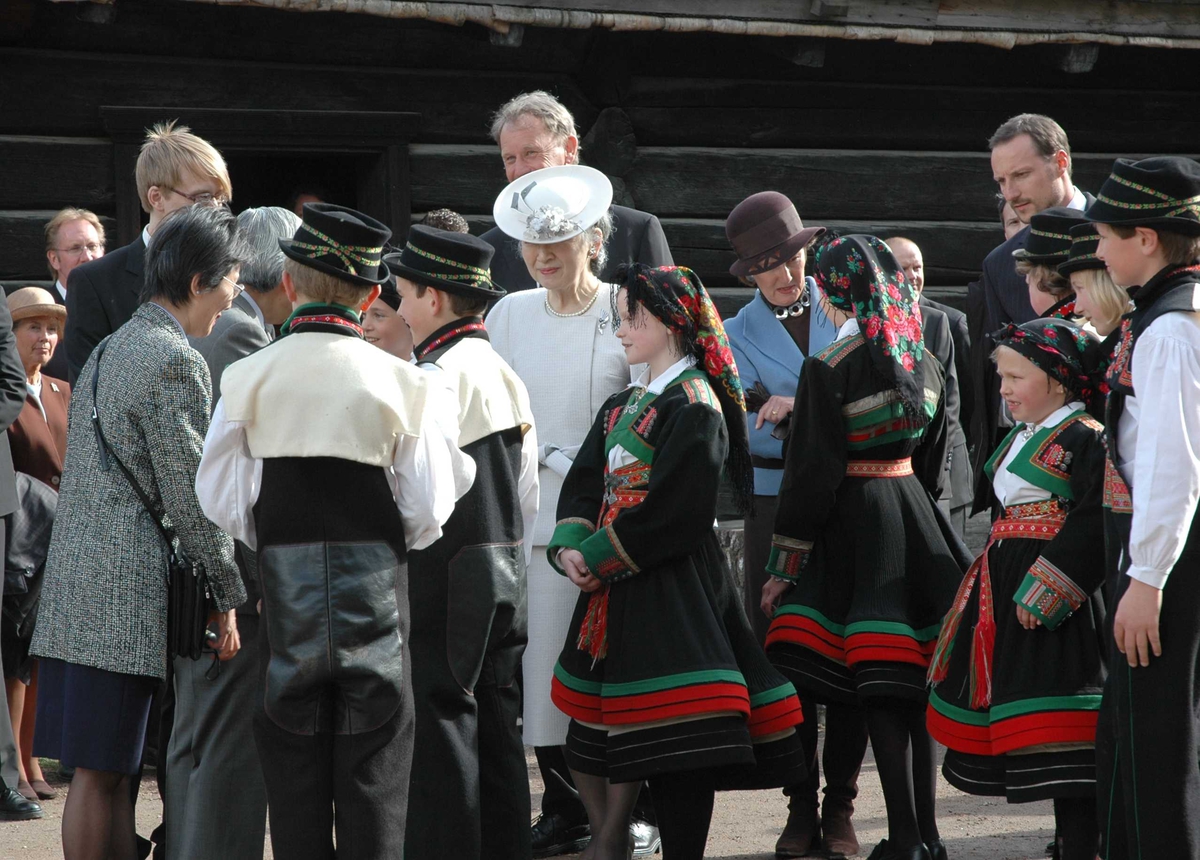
column 453, row 262
column 1161, row 192
column 1050, row 236
column 1084, row 242
column 340, row 242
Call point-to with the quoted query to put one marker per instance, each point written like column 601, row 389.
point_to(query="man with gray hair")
column 216, row 799
column 534, row 130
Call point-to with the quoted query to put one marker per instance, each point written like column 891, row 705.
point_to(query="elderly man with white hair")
column 534, row 130
column 216, row 801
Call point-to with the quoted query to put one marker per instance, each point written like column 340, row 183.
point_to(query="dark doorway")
column 274, row 179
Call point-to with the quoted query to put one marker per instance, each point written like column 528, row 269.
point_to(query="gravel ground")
column 745, row 824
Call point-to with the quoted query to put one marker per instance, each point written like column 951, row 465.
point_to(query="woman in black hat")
column 770, row 337
column 1016, row 690
column 863, row 561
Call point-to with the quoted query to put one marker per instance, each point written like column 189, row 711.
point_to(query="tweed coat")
column 104, row 602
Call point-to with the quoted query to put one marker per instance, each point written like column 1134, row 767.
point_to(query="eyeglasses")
column 76, row 250
column 200, row 196
column 238, row 289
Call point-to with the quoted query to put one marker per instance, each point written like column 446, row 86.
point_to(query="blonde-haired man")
column 175, row 168
column 73, row 237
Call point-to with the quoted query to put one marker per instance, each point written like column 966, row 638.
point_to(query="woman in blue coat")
column 771, row 337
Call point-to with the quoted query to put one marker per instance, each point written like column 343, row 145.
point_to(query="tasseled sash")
column 1033, row 521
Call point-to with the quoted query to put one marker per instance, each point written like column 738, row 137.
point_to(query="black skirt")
column 865, row 614
column 92, row 718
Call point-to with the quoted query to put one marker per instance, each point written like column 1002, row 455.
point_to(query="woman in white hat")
column 38, row 441
column 559, row 340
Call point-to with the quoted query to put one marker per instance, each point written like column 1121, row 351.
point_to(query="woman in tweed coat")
column 102, row 630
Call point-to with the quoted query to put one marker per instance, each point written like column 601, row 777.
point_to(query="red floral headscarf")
column 860, row 276
column 677, row 298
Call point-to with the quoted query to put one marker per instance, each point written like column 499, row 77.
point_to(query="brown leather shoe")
column 838, row 830
column 801, row 835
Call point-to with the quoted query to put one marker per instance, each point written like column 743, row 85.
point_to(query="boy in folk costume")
column 333, row 459
column 467, row 590
column 1017, row 688
column 1148, row 738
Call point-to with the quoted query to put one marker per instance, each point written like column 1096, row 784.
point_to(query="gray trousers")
column 216, row 799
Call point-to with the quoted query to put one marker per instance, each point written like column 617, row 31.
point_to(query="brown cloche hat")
column 34, row 302
column 766, row 231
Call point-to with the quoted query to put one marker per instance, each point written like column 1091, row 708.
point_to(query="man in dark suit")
column 216, row 798
column 174, row 169
column 73, row 237
column 534, row 130
column 1031, row 163
column 945, row 330
column 13, row 807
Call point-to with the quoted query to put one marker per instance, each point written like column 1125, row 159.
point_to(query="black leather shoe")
column 937, row 850
column 13, row 807
column 885, row 851
column 552, row 835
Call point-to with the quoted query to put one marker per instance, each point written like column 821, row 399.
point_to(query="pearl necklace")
column 577, row 313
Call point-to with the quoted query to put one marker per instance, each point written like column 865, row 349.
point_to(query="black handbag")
column 189, row 598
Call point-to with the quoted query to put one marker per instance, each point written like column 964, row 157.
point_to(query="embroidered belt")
column 623, row 488
column 1117, row 497
column 1033, row 521
column 879, row 468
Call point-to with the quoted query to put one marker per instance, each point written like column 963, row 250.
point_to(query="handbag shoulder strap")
column 106, row 451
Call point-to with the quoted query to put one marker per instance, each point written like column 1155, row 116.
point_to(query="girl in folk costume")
column 870, row 562
column 1017, row 688
column 661, row 674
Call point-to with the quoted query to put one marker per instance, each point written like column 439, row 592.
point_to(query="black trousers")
column 356, row 784
column 845, row 726
column 468, row 771
column 1148, row 736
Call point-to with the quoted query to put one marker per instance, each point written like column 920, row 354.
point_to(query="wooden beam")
column 51, row 172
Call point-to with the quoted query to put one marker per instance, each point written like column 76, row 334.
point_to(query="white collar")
column 62, row 291
column 146, row 235
column 665, row 378
column 848, row 328
column 1059, row 415
column 1078, row 201
column 262, row 321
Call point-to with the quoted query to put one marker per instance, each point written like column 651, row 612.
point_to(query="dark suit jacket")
column 12, row 401
column 960, row 467
column 101, row 297
column 39, row 445
column 57, row 365
column 235, row 335
column 936, row 328
column 637, row 237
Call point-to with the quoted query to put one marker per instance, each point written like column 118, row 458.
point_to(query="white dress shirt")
column 1158, row 441
column 1012, row 489
column 428, row 474
column 62, row 291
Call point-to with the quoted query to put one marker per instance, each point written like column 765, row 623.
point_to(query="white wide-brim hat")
column 553, row 204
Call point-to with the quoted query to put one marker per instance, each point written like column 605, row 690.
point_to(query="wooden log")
column 825, row 184
column 454, row 107
column 52, row 172
column 806, row 113
column 23, row 244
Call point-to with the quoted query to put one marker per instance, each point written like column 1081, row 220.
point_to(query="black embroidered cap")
column 454, row 262
column 340, row 242
column 1161, row 192
column 1050, row 236
column 1084, row 241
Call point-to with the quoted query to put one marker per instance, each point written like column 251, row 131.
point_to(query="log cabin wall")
column 865, row 136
